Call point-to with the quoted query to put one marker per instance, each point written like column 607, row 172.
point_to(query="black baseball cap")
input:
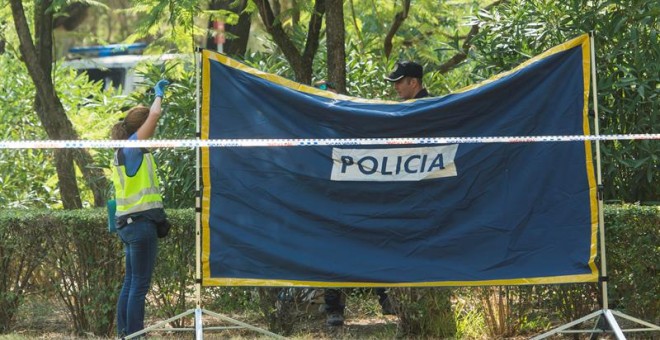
column 405, row 69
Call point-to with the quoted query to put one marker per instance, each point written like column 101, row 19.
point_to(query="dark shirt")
column 421, row 94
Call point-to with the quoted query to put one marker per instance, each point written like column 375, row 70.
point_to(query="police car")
column 115, row 64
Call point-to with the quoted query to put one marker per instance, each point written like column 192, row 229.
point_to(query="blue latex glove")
column 159, row 89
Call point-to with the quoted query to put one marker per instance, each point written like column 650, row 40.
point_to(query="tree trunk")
column 335, row 36
column 66, row 175
column 38, row 60
column 236, row 46
column 301, row 63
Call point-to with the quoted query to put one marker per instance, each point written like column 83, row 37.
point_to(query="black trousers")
column 334, row 301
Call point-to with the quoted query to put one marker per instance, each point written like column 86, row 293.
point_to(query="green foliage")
column 505, row 309
column 279, row 321
column 627, row 54
column 569, row 302
column 269, row 61
column 26, row 176
column 71, row 255
column 632, row 239
column 58, row 6
column 92, row 111
column 629, row 96
column 170, row 21
column 432, row 34
column 80, row 262
column 510, row 32
column 231, row 300
column 365, row 76
column 424, row 312
column 470, row 322
column 83, row 266
column 176, row 167
column 425, row 36
column 21, row 253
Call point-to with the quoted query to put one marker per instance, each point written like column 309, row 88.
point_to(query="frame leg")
column 568, row 325
column 603, row 316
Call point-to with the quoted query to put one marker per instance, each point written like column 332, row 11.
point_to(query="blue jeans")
column 140, row 245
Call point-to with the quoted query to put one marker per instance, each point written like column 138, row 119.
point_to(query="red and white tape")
column 224, row 143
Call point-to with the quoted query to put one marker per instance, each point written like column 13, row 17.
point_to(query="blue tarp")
column 407, row 215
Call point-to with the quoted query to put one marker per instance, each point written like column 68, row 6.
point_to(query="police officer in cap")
column 407, row 80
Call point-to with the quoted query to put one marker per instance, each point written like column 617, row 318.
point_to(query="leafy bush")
column 470, row 321
column 628, row 71
column 21, row 254
column 279, row 320
column 71, row 255
column 77, row 260
column 568, row 302
column 509, row 310
column 231, row 299
column 424, row 312
column 632, row 239
column 84, row 266
column 28, row 176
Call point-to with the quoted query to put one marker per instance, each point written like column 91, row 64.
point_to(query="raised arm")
column 147, row 129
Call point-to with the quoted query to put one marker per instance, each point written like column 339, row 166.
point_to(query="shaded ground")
column 48, row 320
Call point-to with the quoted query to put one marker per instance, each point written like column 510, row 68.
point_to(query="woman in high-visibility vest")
column 139, row 210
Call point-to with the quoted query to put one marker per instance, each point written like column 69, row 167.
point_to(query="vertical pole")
column 601, row 218
column 198, row 207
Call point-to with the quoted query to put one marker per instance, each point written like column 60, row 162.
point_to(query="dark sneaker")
column 335, row 319
column 387, row 307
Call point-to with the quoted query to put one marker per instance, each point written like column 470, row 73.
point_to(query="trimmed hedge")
column 70, row 254
column 632, row 240
column 21, row 254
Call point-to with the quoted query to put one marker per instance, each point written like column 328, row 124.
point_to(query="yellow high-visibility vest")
column 139, row 192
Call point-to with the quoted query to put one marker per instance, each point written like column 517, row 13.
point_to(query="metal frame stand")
column 198, row 311
column 610, row 325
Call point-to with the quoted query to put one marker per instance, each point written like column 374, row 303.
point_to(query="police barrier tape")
column 224, row 143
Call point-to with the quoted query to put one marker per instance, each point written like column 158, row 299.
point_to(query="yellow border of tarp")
column 207, row 280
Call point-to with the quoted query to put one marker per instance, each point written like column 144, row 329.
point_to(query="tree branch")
column 300, row 62
column 467, row 43
column 357, row 28
column 26, row 45
column 277, row 32
column 314, row 31
column 398, row 20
